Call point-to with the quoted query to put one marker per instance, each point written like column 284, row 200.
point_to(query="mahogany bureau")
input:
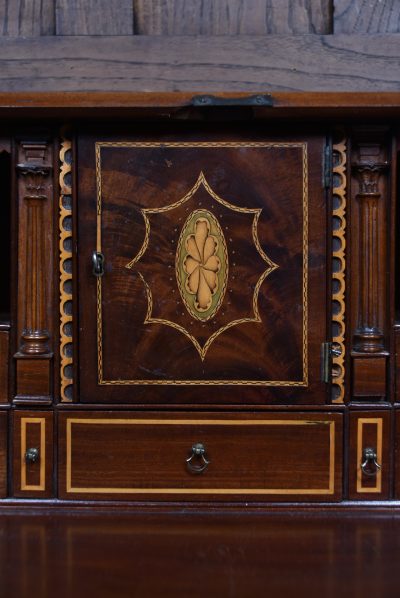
column 200, row 299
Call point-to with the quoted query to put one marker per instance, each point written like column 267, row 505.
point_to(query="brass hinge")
column 327, row 352
column 206, row 101
column 328, row 166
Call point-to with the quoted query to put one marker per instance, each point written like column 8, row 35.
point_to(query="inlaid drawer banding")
column 149, row 456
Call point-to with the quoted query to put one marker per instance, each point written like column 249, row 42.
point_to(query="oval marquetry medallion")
column 202, row 264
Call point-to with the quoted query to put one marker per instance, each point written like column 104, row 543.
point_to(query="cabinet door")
column 214, row 283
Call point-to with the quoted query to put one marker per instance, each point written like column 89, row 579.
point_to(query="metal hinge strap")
column 326, row 362
column 328, row 350
column 253, row 101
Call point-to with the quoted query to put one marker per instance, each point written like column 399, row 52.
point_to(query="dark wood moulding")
column 95, row 104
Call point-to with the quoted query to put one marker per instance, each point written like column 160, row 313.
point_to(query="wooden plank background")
column 177, row 45
column 231, row 17
column 22, row 18
column 157, row 63
column 367, row 16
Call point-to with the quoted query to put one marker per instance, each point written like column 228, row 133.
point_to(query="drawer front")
column 33, row 454
column 397, row 453
column 3, row 454
column 369, row 458
column 263, row 457
column 4, row 350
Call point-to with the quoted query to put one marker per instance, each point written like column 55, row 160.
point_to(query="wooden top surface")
column 279, row 63
column 77, row 555
column 140, row 104
column 131, row 99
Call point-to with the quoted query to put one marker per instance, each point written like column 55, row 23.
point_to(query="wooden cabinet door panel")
column 214, row 279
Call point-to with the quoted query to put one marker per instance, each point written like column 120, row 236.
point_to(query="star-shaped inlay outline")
column 271, row 266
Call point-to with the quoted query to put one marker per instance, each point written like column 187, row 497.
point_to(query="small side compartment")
column 33, row 454
column 369, row 459
column 3, row 453
column 4, row 361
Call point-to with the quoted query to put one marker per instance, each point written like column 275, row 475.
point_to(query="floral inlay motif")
column 202, row 264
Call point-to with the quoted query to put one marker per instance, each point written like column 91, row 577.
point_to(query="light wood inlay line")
column 213, row 422
column 25, row 422
column 360, row 446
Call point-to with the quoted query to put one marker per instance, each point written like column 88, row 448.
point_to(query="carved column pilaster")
column 369, row 249
column 34, row 169
column 369, row 335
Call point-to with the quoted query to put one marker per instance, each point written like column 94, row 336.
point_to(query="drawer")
column 369, row 455
column 4, row 351
column 33, row 454
column 397, row 453
column 246, row 457
column 3, row 454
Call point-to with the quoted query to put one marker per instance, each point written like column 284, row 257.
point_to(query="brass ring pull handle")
column 198, row 454
column 32, row 455
column 370, row 465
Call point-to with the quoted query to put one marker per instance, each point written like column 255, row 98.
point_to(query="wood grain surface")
column 93, row 17
column 234, row 354
column 4, row 361
column 397, row 453
column 366, row 16
column 258, row 458
column 19, row 18
column 206, row 17
column 177, row 555
column 142, row 63
column 233, row 17
column 373, row 431
column 33, row 429
column 369, row 252
column 3, row 453
column 5, row 229
column 396, row 333
column 133, row 104
column 164, row 17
